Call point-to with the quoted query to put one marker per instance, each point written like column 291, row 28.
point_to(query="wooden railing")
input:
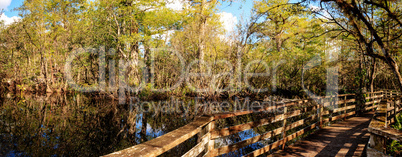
column 295, row 119
column 380, row 126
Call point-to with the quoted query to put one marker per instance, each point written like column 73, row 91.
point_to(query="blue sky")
column 236, row 8
column 14, row 4
column 9, row 15
column 230, row 12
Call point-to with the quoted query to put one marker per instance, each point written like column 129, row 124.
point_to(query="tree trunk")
column 372, row 75
column 147, row 58
column 134, row 63
column 202, row 26
column 143, row 132
column 351, row 10
column 360, row 92
column 43, row 69
column 394, row 66
column 134, row 52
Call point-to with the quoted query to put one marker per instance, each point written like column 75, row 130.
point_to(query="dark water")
column 77, row 125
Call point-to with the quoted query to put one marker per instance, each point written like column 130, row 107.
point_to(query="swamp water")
column 77, row 125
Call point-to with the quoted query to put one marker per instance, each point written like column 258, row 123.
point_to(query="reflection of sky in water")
column 150, row 132
column 241, row 136
column 49, row 138
column 110, row 126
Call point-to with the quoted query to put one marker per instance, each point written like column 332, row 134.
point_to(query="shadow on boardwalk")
column 347, row 138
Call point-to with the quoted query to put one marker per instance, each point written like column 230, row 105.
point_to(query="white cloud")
column 175, row 4
column 314, row 8
column 4, row 4
column 228, row 21
column 324, row 13
column 8, row 20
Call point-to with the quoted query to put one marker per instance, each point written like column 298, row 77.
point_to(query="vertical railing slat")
column 285, row 110
column 320, row 110
column 211, row 143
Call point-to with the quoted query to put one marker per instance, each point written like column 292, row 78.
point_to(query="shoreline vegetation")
column 15, row 87
column 282, row 49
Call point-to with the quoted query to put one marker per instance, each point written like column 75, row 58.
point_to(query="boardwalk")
column 347, row 138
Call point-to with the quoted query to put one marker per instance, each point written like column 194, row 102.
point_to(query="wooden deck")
column 347, row 138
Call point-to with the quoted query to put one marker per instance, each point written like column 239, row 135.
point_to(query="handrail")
column 285, row 104
column 380, row 128
column 166, row 142
column 292, row 118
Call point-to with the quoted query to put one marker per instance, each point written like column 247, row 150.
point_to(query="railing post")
column 396, row 101
column 386, row 113
column 211, row 143
column 397, row 106
column 332, row 103
column 395, row 110
column 374, row 99
column 360, row 103
column 285, row 110
column 320, row 110
column 344, row 105
column 378, row 143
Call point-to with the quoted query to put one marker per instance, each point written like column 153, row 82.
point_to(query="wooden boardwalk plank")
column 347, row 138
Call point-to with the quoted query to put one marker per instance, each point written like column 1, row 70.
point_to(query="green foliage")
column 394, row 148
column 284, row 36
column 398, row 123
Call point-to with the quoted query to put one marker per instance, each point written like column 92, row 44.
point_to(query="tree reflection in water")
column 77, row 125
